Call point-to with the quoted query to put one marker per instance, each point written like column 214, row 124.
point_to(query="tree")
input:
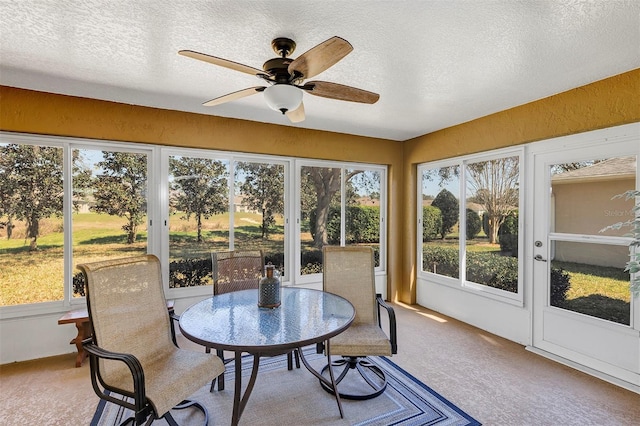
column 263, row 189
column 31, row 182
column 431, row 223
column 326, row 183
column 448, row 205
column 495, row 183
column 199, row 188
column 121, row 189
column 474, row 224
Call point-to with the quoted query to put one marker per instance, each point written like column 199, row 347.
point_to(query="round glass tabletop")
column 233, row 321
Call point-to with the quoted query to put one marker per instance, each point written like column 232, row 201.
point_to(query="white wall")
column 501, row 318
column 39, row 335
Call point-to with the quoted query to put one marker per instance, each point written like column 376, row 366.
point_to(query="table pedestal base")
column 240, row 399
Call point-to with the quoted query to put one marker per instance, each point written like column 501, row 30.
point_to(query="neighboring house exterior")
column 240, row 205
column 582, row 204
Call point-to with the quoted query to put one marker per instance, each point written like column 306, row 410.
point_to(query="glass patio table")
column 234, row 322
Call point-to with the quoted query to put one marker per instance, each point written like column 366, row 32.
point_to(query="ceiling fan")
column 286, row 76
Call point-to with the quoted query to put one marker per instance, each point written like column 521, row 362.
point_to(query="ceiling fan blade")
column 320, row 57
column 297, row 115
column 340, row 92
column 235, row 95
column 223, row 63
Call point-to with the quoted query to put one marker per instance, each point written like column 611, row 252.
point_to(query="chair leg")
column 186, row 404
column 290, row 356
column 372, row 375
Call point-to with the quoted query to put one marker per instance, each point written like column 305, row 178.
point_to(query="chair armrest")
column 393, row 337
column 129, row 360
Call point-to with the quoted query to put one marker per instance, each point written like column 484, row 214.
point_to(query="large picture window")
column 69, row 201
column 469, row 222
column 339, row 204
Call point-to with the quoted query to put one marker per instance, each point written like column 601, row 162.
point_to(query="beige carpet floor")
column 494, row 380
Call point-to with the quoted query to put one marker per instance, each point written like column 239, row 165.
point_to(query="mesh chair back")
column 349, row 272
column 127, row 309
column 236, row 270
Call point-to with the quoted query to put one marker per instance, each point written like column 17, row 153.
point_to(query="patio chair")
column 133, row 351
column 235, row 271
column 349, row 272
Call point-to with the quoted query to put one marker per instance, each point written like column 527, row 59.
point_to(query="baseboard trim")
column 587, row 370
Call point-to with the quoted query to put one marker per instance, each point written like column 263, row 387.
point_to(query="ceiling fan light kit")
column 286, row 76
column 283, row 97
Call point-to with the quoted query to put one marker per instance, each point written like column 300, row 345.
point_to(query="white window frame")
column 461, row 282
column 158, row 209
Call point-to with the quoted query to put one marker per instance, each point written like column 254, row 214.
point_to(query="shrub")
column 559, row 286
column 431, row 223
column 493, row 270
column 448, row 205
column 362, row 224
column 441, row 260
column 276, row 259
column 483, row 268
column 474, row 223
column 182, row 273
column 78, row 284
column 508, row 234
column 190, row 272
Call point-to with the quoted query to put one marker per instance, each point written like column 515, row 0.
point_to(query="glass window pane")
column 320, row 211
column 440, row 216
column 362, row 215
column 259, row 210
column 582, row 195
column 109, row 207
column 492, row 202
column 198, row 219
column 590, row 279
column 31, row 231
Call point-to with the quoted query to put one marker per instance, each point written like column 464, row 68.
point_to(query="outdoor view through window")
column 214, row 202
column 482, row 226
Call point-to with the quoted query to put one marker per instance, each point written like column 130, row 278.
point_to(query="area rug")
column 295, row 397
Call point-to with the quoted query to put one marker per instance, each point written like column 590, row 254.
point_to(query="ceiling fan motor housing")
column 278, row 68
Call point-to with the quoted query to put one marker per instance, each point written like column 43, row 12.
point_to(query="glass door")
column 583, row 309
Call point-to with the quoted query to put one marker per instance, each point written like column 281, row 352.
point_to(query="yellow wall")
column 606, row 103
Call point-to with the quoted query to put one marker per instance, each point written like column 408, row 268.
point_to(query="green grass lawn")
column 34, row 277
column 598, row 291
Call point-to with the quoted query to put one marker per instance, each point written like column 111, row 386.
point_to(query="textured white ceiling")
column 434, row 63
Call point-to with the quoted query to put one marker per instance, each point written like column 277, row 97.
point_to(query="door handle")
column 539, row 258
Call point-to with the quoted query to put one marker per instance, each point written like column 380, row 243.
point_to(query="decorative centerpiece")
column 269, row 289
